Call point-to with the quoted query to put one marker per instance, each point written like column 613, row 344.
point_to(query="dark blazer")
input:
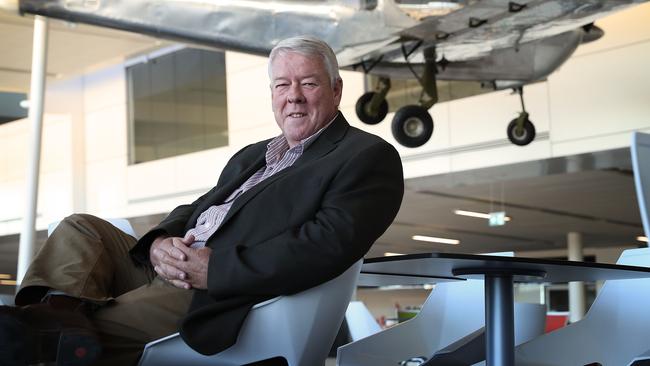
column 298, row 228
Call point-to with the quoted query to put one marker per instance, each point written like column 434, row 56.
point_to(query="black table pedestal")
column 499, row 310
column 499, row 320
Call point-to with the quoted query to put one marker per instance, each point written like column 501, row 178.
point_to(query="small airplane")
column 502, row 44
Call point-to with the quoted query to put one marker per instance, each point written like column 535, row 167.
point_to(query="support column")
column 36, row 104
column 577, row 301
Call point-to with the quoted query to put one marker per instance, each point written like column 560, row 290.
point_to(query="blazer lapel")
column 325, row 143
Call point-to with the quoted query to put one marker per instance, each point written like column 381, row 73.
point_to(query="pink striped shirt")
column 278, row 157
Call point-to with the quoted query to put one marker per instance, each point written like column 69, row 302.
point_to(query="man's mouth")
column 297, row 115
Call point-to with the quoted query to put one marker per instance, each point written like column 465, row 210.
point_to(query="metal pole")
column 577, row 296
column 36, row 103
column 499, row 320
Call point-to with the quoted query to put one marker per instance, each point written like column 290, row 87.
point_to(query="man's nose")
column 295, row 94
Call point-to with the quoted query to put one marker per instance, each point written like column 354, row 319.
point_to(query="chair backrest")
column 640, row 149
column 122, row 224
column 615, row 330
column 360, row 321
column 301, row 328
column 452, row 310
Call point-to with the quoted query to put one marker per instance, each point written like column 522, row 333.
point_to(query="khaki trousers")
column 87, row 257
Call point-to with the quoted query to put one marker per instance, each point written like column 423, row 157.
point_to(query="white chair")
column 300, row 328
column 361, row 323
column 615, row 330
column 452, row 311
column 122, row 224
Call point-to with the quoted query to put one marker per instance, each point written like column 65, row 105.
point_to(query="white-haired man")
column 286, row 214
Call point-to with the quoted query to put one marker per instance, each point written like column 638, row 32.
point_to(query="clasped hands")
column 176, row 262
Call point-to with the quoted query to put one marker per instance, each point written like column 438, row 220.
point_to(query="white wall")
column 591, row 103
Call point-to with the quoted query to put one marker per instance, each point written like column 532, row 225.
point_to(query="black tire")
column 412, row 126
column 363, row 114
column 524, row 137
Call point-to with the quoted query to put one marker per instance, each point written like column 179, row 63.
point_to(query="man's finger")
column 180, row 284
column 170, row 272
column 188, row 241
column 177, row 254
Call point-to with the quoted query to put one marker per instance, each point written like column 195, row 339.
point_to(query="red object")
column 80, row 352
column 554, row 322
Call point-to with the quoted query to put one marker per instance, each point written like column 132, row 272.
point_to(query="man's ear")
column 338, row 91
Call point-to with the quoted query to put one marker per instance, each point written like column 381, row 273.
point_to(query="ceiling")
column 73, row 49
column 593, row 194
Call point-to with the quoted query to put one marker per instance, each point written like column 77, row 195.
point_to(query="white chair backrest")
column 122, row 224
column 301, row 328
column 615, row 330
column 360, row 321
column 640, row 149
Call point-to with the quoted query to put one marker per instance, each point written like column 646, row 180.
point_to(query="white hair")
column 308, row 46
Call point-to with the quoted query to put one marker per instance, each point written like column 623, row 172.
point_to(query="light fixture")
column 480, row 215
column 391, row 254
column 433, row 239
column 8, row 282
column 4, row 276
column 642, row 238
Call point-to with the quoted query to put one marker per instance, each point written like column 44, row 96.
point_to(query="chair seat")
column 300, row 328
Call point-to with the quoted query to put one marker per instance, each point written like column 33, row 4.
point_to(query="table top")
column 450, row 266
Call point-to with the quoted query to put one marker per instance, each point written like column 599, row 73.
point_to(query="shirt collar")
column 278, row 146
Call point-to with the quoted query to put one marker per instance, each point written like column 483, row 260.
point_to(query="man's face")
column 303, row 98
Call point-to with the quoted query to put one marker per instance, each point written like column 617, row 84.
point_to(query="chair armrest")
column 267, row 302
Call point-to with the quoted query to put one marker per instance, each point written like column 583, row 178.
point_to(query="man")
column 286, row 214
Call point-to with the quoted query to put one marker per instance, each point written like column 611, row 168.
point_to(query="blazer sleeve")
column 361, row 201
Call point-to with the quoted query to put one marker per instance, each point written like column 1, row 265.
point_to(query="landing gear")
column 372, row 107
column 521, row 130
column 412, row 125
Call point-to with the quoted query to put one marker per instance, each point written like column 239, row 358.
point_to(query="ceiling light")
column 642, row 238
column 480, row 215
column 433, row 239
column 8, row 282
column 391, row 254
column 4, row 276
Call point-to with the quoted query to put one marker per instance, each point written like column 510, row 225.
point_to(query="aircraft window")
column 407, row 92
column 177, row 105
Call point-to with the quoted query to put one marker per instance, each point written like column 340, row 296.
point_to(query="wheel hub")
column 413, row 127
column 520, row 132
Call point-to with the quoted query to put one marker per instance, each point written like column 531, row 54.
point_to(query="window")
column 177, row 105
column 10, row 109
column 406, row 92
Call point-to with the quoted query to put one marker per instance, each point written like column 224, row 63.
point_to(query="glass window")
column 177, row 105
column 406, row 92
column 10, row 109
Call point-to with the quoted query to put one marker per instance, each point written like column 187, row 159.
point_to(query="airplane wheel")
column 523, row 137
column 412, row 126
column 362, row 112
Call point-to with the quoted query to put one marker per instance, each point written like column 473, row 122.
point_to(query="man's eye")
column 309, row 84
column 280, row 85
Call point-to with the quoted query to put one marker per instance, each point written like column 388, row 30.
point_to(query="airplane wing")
column 475, row 30
column 358, row 30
